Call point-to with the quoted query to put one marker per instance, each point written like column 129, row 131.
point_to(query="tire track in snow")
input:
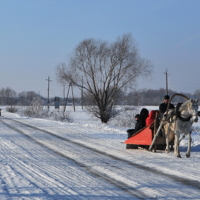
column 69, row 189
column 122, row 185
column 31, row 173
column 185, row 181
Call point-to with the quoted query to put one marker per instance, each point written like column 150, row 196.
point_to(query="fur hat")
column 166, row 97
column 137, row 116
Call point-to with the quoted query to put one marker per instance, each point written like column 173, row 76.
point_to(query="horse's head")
column 193, row 109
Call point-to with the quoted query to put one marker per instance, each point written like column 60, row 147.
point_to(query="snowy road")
column 42, row 159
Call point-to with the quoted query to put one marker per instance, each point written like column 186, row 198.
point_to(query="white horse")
column 179, row 121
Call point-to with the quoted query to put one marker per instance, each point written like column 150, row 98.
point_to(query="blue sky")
column 37, row 35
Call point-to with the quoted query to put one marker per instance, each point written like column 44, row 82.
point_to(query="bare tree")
column 104, row 69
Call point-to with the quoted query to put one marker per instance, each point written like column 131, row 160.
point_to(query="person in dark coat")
column 163, row 106
column 140, row 122
column 144, row 113
column 137, row 126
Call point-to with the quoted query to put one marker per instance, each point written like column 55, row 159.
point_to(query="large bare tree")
column 103, row 70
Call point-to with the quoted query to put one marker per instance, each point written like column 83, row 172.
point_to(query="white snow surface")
column 45, row 159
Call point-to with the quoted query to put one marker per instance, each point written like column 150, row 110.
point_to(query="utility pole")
column 82, row 94
column 66, row 98
column 166, row 81
column 48, row 91
column 63, row 91
column 70, row 85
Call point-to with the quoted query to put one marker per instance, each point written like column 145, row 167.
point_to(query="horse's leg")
column 154, row 148
column 167, row 143
column 189, row 146
column 176, row 146
column 172, row 144
column 167, row 137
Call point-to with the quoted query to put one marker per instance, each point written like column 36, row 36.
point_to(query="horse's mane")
column 184, row 105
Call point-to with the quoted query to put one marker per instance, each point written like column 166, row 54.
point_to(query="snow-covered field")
column 45, row 159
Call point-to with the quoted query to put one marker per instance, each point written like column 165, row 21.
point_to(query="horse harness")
column 169, row 117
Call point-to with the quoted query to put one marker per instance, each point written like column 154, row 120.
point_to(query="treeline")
column 152, row 97
column 138, row 97
column 9, row 96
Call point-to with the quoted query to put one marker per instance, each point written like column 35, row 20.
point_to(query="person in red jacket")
column 151, row 117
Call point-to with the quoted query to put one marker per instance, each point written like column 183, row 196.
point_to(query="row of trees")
column 9, row 96
column 137, row 97
column 155, row 97
column 134, row 98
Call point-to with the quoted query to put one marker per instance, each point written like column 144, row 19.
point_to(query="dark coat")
column 138, row 125
column 163, row 108
column 143, row 115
